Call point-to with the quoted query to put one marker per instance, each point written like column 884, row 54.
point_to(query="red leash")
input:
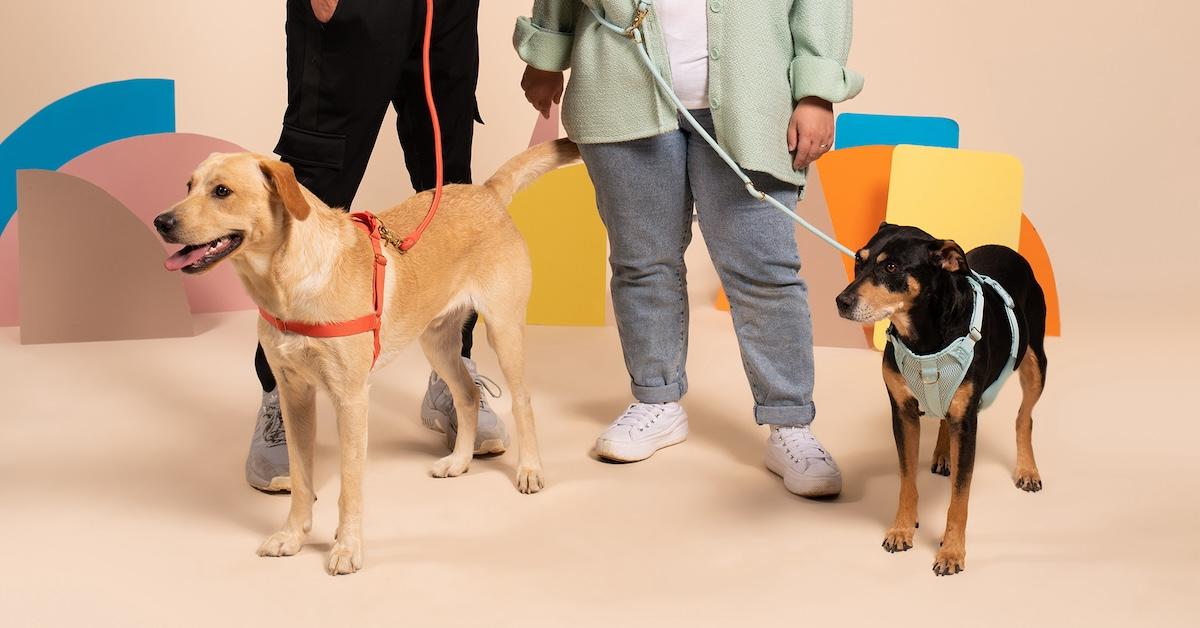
column 412, row 238
column 370, row 223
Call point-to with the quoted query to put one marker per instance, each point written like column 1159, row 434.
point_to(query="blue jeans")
column 645, row 191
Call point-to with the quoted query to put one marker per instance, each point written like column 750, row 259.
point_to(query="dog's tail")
column 525, row 168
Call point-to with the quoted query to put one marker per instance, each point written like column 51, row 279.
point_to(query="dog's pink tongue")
column 181, row 259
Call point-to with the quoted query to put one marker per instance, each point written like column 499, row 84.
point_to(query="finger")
column 558, row 94
column 804, row 148
column 820, row 148
column 792, row 135
column 816, row 153
column 544, row 107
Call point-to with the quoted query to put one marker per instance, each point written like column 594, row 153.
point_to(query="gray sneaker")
column 437, row 413
column 267, row 463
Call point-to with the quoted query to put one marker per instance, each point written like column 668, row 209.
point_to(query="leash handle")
column 634, row 32
column 413, row 237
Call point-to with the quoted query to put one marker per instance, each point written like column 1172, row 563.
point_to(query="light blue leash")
column 948, row 366
column 634, row 33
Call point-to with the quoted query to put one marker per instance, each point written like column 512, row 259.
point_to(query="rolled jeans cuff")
column 785, row 416
column 659, row 394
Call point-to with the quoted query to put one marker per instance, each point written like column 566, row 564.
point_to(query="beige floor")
column 122, row 502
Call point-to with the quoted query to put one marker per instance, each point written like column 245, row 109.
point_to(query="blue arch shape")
column 868, row 129
column 77, row 123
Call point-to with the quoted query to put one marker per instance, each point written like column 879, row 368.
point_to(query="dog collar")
column 369, row 223
column 935, row 377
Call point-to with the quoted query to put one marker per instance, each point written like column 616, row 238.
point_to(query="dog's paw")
column 941, row 466
column 530, row 480
column 899, row 539
column 346, row 557
column 282, row 543
column 1028, row 480
column 450, row 466
column 949, row 562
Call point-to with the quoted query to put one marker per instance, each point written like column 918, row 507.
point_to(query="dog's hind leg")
column 906, row 428
column 350, row 405
column 297, row 400
column 941, row 451
column 442, row 344
column 1026, row 474
column 506, row 334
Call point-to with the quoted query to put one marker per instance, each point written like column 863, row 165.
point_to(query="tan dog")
column 303, row 261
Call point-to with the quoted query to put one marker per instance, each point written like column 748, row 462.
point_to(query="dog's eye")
column 890, row 267
column 221, row 191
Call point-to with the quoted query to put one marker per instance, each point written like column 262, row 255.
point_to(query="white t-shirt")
column 685, row 29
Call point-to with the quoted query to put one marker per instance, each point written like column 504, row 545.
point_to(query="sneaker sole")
column 636, row 452
column 278, row 484
column 806, row 487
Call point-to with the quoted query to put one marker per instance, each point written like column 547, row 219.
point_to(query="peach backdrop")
column 1097, row 102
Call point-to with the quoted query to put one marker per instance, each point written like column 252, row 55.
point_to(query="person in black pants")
column 347, row 61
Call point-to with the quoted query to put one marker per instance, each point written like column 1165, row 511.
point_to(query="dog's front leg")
column 351, row 408
column 906, row 428
column 962, row 421
column 297, row 401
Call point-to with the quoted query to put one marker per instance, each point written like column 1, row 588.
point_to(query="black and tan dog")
column 922, row 284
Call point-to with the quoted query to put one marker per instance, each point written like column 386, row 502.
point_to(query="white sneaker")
column 798, row 457
column 641, row 430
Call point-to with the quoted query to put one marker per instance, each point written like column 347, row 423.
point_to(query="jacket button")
column 715, row 53
column 714, row 102
column 715, row 6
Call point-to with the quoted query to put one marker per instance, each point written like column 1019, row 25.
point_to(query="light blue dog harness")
column 934, row 378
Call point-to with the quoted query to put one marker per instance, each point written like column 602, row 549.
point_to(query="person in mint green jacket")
column 761, row 76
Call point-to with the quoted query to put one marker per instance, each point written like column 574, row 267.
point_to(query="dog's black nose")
column 164, row 223
column 845, row 301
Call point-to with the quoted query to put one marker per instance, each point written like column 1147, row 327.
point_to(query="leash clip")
column 639, row 16
column 391, row 238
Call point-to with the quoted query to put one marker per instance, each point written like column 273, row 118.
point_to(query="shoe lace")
column 800, row 444
column 273, row 433
column 489, row 386
column 640, row 415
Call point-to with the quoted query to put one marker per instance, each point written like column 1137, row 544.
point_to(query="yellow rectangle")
column 567, row 244
column 971, row 197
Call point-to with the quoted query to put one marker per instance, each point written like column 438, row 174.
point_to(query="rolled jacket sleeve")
column 821, row 35
column 545, row 40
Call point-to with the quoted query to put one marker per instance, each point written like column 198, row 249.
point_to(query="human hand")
column 810, row 131
column 542, row 88
column 324, row 9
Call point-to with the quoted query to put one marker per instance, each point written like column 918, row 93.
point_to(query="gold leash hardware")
column 390, row 237
column 639, row 16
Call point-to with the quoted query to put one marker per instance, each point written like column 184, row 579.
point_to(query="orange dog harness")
column 371, row 322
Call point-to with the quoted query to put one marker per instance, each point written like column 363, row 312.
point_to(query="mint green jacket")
column 764, row 55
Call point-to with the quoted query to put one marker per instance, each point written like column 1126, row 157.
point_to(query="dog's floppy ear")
column 281, row 179
column 949, row 255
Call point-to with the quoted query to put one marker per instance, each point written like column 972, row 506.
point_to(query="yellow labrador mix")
column 301, row 260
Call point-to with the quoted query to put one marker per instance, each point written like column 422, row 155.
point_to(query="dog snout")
column 845, row 303
column 165, row 223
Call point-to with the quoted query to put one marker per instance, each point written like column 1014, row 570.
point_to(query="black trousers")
column 343, row 75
